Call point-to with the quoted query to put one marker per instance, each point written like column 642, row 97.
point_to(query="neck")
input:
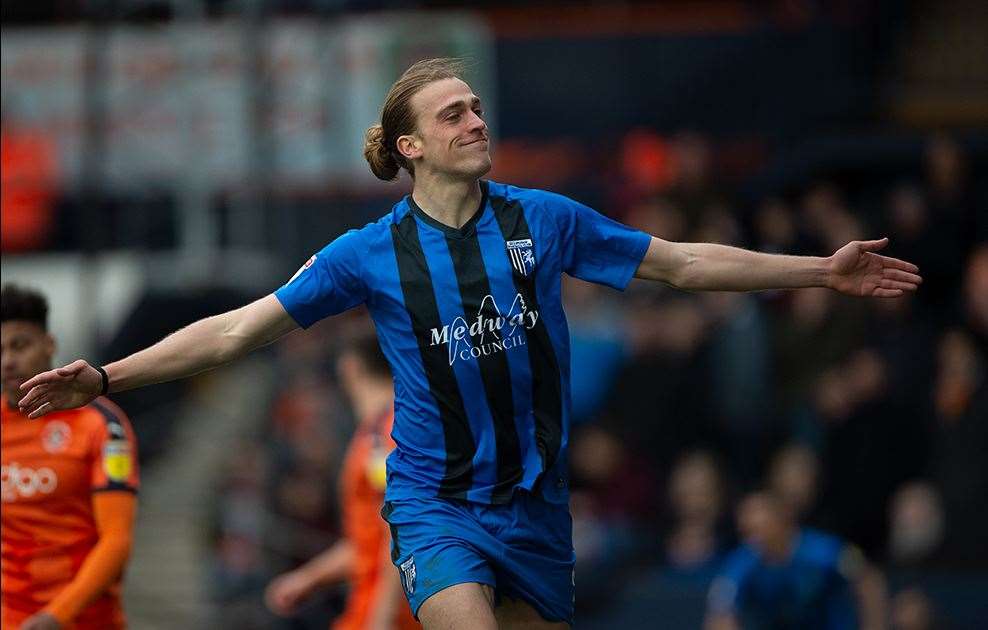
column 373, row 400
column 451, row 202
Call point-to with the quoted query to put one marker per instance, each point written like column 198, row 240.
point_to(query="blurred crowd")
column 869, row 417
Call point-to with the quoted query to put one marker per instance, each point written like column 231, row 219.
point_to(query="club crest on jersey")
column 522, row 255
column 56, row 435
column 408, row 575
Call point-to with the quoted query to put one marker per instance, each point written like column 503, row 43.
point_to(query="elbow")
column 231, row 341
column 119, row 543
column 683, row 275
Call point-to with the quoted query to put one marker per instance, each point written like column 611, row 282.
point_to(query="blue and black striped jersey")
column 471, row 321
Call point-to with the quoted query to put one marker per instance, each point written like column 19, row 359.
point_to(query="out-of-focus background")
column 167, row 159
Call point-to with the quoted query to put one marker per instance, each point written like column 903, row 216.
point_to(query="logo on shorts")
column 55, row 436
column 408, row 575
column 522, row 255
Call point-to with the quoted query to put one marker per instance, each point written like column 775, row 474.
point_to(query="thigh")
column 535, row 567
column 468, row 605
column 436, row 545
column 515, row 614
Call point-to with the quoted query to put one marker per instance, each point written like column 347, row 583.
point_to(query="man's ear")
column 409, row 147
column 51, row 346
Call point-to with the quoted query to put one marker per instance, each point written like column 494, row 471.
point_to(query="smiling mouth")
column 472, row 142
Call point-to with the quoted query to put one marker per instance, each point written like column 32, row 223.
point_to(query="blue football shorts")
column 523, row 550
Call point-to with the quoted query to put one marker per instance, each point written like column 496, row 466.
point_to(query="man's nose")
column 477, row 123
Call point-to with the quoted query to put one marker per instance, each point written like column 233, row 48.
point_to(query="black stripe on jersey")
column 420, row 301
column 117, row 432
column 113, row 424
column 547, row 397
column 475, row 292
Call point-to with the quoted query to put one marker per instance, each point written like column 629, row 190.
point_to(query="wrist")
column 826, row 272
column 61, row 612
column 310, row 578
column 104, row 385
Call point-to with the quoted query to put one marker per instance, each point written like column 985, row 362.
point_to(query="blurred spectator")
column 904, row 338
column 916, row 523
column 951, row 194
column 976, row 297
column 659, row 404
column 959, row 466
column 239, row 525
column 597, row 346
column 775, row 227
column 816, row 332
column 647, row 166
column 696, row 541
column 787, row 577
column 28, row 182
column 912, row 610
column 361, row 557
column 659, row 216
column 934, row 243
column 827, row 219
column 612, row 507
column 616, row 483
column 739, row 379
column 858, row 423
column 794, row 477
column 695, row 187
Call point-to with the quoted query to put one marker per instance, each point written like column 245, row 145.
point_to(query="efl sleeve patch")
column 118, row 461
column 377, row 468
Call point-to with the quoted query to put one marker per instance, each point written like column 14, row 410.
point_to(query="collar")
column 466, row 230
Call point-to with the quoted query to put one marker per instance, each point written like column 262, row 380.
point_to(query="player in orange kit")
column 69, row 483
column 363, row 556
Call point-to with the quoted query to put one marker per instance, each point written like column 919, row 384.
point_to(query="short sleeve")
column 328, row 283
column 594, row 247
column 113, row 451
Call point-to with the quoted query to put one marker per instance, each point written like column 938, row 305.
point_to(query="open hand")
column 284, row 595
column 62, row 388
column 856, row 269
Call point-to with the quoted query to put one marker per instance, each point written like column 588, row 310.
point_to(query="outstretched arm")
column 388, row 594
column 200, row 346
column 289, row 590
column 854, row 269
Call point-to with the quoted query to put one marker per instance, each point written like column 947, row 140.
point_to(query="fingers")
column 44, row 378
column 40, row 409
column 895, row 263
column 897, row 284
column 33, row 396
column 887, row 293
column 902, row 276
column 874, row 246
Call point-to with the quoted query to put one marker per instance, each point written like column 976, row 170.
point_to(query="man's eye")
column 479, row 112
column 453, row 117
